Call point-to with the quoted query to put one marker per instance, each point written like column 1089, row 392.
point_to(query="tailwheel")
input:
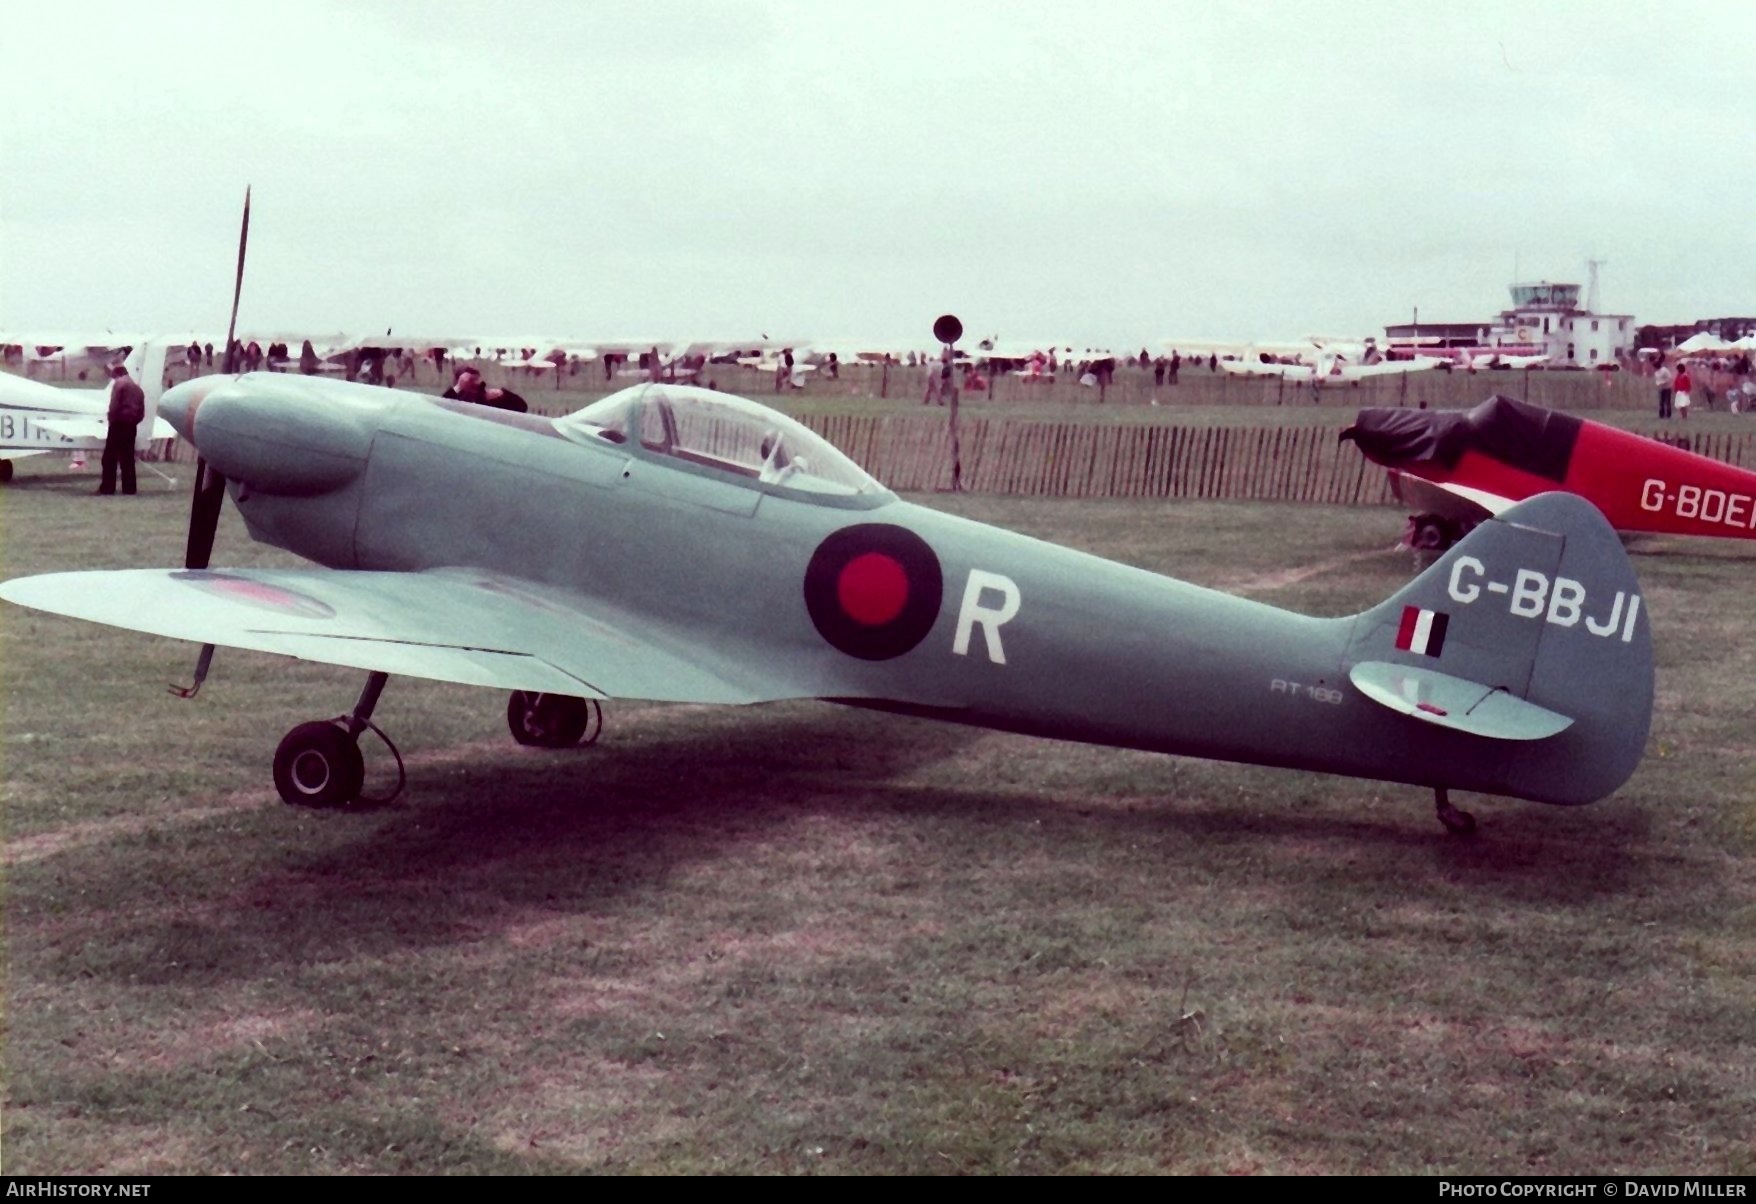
column 1458, row 823
column 318, row 765
column 553, row 720
column 5, row 471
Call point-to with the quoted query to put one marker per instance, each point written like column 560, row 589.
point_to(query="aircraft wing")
column 1257, row 368
column 1389, row 368
column 456, row 625
column 19, row 393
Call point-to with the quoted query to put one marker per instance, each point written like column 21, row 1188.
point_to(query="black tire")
column 318, row 765
column 549, row 720
column 1431, row 534
column 5, row 471
column 1459, row 823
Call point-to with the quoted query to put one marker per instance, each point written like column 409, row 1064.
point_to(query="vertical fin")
column 1542, row 603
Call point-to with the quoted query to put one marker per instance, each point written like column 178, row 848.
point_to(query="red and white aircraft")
column 1458, row 467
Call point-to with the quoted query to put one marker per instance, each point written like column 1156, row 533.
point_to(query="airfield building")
column 1545, row 319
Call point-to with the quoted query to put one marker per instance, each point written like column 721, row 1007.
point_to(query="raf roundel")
column 873, row 590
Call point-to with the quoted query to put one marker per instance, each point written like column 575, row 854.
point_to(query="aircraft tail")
column 146, row 364
column 1531, row 637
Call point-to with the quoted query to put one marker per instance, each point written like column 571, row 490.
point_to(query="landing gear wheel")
column 5, row 471
column 1429, row 533
column 1458, row 823
column 553, row 720
column 318, row 765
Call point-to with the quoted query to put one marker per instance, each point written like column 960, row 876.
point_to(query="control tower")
column 1545, row 296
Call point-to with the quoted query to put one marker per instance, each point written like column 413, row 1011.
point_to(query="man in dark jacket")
column 127, row 412
column 468, row 385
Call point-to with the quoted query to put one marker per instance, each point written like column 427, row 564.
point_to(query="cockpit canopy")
column 720, row 431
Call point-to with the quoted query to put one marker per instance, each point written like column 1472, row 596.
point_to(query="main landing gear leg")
column 1458, row 823
column 361, row 719
column 319, row 764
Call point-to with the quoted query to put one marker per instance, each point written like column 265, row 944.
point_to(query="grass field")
column 801, row 938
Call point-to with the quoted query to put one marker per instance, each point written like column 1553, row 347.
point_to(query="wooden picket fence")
column 1048, row 459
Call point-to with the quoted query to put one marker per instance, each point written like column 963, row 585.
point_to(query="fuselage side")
column 1026, row 636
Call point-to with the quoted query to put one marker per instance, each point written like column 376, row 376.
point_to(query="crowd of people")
column 1712, row 379
column 1681, row 382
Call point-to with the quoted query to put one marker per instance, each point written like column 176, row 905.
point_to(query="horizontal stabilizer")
column 1452, row 702
column 76, row 427
column 97, row 429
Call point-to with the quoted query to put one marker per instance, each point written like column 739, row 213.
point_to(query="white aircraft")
column 37, row 418
column 67, row 354
column 770, row 363
column 1490, row 360
column 1328, row 367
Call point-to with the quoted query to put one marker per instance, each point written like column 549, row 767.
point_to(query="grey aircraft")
column 678, row 544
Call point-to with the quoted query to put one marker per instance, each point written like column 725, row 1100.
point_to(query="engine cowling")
column 287, row 435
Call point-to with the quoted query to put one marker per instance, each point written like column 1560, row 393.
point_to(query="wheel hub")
column 311, row 772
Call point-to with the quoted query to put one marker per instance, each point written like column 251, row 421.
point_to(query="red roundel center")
column 872, row 589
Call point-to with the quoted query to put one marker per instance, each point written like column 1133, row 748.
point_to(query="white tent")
column 1702, row 343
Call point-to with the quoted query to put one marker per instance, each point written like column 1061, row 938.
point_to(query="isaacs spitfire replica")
column 1458, row 467
column 677, row 544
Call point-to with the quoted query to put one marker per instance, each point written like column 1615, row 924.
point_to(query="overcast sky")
column 665, row 168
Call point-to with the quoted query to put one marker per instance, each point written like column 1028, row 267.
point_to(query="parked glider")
column 677, row 544
column 1457, row 467
column 37, row 418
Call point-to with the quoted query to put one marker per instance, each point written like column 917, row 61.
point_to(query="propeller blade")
column 210, row 484
column 238, row 289
column 204, row 512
